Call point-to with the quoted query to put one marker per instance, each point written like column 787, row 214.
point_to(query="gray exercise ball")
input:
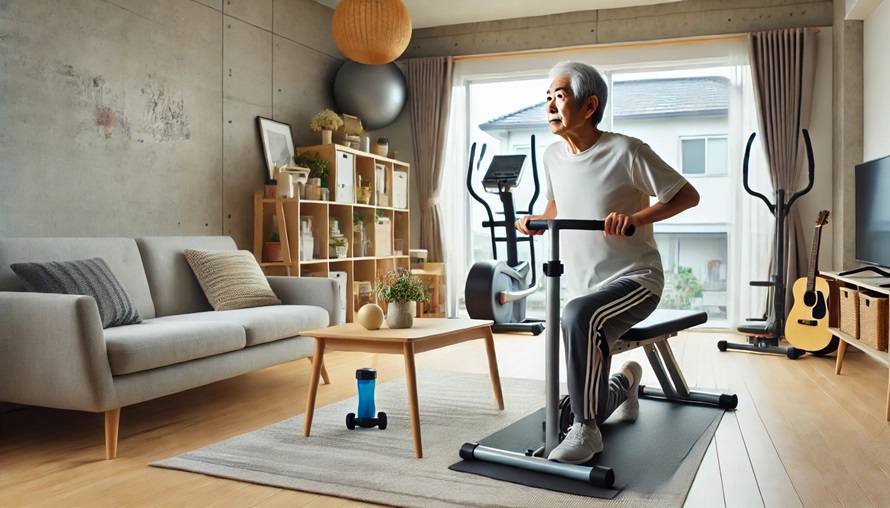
column 376, row 94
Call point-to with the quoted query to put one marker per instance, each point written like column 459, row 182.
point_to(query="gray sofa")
column 54, row 352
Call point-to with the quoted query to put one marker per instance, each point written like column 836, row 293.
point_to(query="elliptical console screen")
column 504, row 173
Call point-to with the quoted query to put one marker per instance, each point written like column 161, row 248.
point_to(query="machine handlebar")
column 585, row 224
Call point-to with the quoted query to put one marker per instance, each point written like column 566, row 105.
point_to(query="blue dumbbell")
column 367, row 379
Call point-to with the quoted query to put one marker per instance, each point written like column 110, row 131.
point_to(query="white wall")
column 876, row 81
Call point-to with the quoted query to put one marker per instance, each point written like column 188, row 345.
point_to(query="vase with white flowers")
column 326, row 121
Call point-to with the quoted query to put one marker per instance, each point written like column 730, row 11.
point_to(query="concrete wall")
column 131, row 118
column 665, row 21
column 876, row 80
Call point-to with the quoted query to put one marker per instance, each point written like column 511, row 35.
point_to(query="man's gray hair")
column 585, row 81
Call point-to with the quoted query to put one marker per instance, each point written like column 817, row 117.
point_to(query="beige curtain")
column 783, row 64
column 429, row 100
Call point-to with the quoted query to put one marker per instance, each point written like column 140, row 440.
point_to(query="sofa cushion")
column 156, row 343
column 231, row 279
column 263, row 324
column 89, row 277
column 174, row 287
column 121, row 254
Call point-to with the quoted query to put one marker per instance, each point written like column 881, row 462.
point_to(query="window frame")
column 706, row 138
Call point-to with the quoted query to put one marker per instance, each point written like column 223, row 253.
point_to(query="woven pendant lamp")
column 372, row 32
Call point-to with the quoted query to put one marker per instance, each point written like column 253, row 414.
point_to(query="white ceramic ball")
column 370, row 316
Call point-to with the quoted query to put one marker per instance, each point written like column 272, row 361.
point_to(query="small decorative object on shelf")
column 326, row 121
column 285, row 186
column 362, row 294
column 307, row 241
column 381, row 147
column 339, row 247
column 350, row 133
column 319, row 169
column 401, row 291
column 272, row 248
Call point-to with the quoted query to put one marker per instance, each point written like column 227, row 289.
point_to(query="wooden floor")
column 801, row 436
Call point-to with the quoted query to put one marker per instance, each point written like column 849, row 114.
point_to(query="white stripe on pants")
column 591, row 324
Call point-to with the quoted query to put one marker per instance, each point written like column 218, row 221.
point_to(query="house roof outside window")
column 638, row 99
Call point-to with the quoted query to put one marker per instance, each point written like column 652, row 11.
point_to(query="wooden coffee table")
column 426, row 334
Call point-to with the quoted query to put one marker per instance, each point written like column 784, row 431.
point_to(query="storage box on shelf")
column 361, row 191
column 849, row 310
column 873, row 320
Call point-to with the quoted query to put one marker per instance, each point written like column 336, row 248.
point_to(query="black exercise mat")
column 643, row 454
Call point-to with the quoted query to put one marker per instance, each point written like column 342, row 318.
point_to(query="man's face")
column 563, row 113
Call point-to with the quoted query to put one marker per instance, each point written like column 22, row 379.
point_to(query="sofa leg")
column 112, row 422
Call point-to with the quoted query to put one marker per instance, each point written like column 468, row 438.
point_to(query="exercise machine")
column 495, row 289
column 764, row 332
column 651, row 334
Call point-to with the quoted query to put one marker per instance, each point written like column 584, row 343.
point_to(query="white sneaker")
column 580, row 445
column 630, row 410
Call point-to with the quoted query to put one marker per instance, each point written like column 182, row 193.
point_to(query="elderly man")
column 614, row 281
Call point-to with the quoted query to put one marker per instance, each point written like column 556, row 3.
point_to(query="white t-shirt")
column 617, row 174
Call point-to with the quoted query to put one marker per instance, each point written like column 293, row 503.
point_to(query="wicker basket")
column 849, row 309
column 873, row 321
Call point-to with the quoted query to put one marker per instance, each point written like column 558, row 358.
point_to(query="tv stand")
column 873, row 284
column 878, row 270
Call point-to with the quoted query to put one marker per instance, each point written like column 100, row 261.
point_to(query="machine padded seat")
column 664, row 321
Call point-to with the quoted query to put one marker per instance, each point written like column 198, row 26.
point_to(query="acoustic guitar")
column 807, row 324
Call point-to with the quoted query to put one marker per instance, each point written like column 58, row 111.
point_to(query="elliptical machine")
column 764, row 333
column 497, row 290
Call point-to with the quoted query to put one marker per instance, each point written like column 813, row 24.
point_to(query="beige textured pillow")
column 231, row 279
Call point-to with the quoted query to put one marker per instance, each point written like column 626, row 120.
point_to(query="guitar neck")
column 814, row 259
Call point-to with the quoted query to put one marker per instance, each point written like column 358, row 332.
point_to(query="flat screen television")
column 872, row 184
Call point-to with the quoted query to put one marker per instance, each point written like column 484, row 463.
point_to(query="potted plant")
column 326, row 121
column 272, row 248
column 338, row 247
column 382, row 146
column 318, row 167
column 400, row 289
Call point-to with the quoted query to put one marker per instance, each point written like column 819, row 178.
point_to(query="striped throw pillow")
column 90, row 277
column 231, row 279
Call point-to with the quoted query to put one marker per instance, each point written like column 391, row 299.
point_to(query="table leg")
column 411, row 378
column 493, row 368
column 317, row 364
column 841, row 349
column 324, row 375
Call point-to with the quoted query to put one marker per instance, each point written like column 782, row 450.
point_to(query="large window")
column 682, row 111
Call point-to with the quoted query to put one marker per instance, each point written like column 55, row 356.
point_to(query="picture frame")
column 278, row 145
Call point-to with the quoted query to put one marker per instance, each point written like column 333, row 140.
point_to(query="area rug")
column 379, row 465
